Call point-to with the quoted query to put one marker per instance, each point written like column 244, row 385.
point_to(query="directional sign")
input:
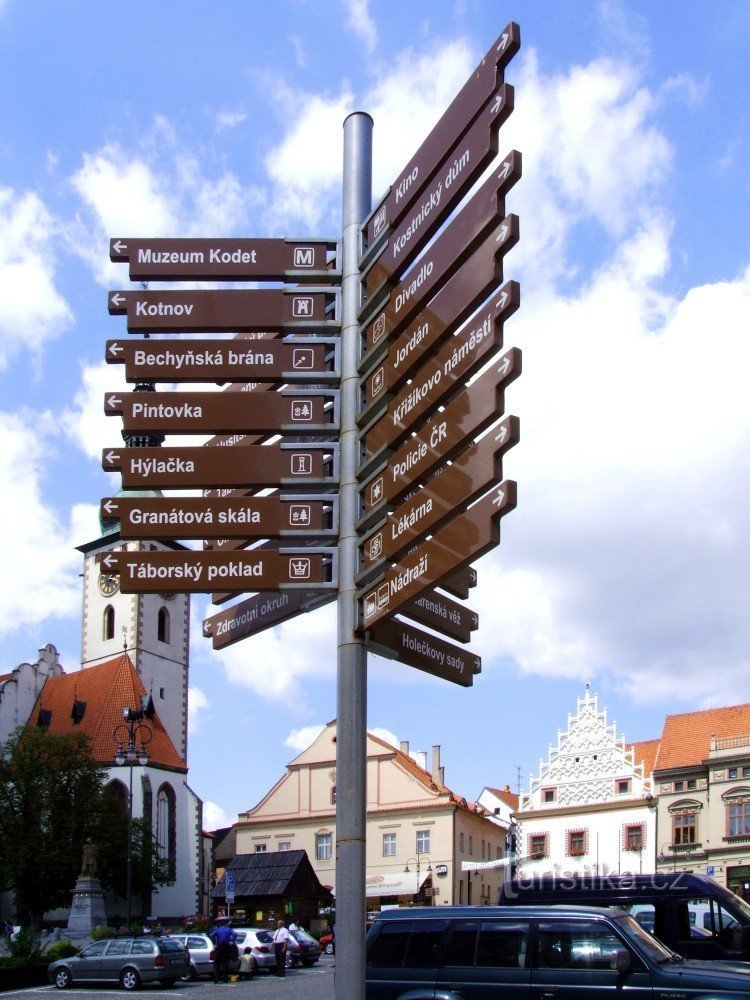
column 311, row 411
column 202, row 572
column 456, row 120
column 254, row 466
column 465, row 231
column 443, row 257
column 453, row 487
column 442, row 376
column 259, row 612
column 460, row 583
column 464, row 165
column 458, row 543
column 224, row 259
column 222, row 310
column 445, row 433
column 290, row 360
column 399, row 641
column 197, row 517
column 442, row 614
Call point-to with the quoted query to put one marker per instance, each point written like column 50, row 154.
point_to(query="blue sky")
column 624, row 563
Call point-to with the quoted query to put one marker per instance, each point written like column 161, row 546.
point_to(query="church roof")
column 92, row 700
column 686, row 738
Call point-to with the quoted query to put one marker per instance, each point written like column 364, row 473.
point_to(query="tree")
column 50, row 802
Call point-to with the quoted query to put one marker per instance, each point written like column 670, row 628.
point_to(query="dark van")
column 532, row 953
column 691, row 914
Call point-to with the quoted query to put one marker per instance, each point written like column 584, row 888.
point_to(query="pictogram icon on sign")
column 303, row 358
column 301, row 465
column 302, row 306
column 301, row 409
column 299, row 569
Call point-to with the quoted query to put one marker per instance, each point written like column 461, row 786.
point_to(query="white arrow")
column 502, row 435
column 475, row 621
column 109, row 560
column 504, row 171
column 477, row 662
column 115, row 349
column 116, row 299
column 500, row 498
column 500, row 304
column 118, row 247
column 504, row 39
column 109, row 507
column 502, row 233
column 497, row 105
column 112, row 457
column 114, row 401
column 503, row 369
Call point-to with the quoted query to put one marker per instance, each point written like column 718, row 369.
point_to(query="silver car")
column 202, row 950
column 127, row 961
column 260, row 942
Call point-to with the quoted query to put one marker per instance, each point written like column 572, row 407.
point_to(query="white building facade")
column 590, row 810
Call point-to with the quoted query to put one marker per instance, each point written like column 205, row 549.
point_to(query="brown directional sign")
column 201, row 572
column 197, row 517
column 293, row 412
column 458, row 543
column 457, row 119
column 223, row 310
column 244, row 465
column 444, row 257
column 224, row 259
column 442, row 376
column 460, row 583
column 259, row 612
column 462, row 234
column 399, row 641
column 442, row 614
column 445, row 433
column 452, row 487
column 464, row 165
column 225, row 361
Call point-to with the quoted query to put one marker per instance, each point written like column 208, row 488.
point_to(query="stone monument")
column 87, row 908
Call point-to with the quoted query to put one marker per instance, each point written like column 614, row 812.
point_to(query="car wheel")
column 190, row 975
column 129, row 979
column 329, row 949
column 63, row 979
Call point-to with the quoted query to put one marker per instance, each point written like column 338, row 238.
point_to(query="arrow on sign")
column 115, row 348
column 117, row 301
column 119, row 247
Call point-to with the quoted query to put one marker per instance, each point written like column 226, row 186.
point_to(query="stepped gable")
column 686, row 738
column 91, row 701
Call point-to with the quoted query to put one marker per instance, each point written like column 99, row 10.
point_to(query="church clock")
column 109, row 584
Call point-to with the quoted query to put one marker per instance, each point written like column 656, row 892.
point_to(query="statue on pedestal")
column 88, row 863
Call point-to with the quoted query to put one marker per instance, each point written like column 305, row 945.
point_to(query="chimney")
column 438, row 772
column 421, row 758
column 404, row 747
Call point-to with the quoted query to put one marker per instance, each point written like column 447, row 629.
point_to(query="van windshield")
column 738, row 906
column 644, row 941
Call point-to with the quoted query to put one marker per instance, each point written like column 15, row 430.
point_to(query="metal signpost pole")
column 351, row 696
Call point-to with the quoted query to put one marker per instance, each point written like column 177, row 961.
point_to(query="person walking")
column 280, row 941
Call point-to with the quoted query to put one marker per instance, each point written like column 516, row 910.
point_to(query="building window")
column 471, row 847
column 622, row 786
column 690, row 784
column 484, row 848
column 323, row 847
column 333, row 795
column 685, row 828
column 461, row 842
column 162, row 625
column 285, row 845
column 549, row 795
column 746, row 772
column 732, row 772
column 633, row 839
column 423, row 841
column 389, row 845
column 576, row 843
column 108, row 623
column 261, row 848
column 538, row 846
column 738, row 818
column 166, row 827
column 679, row 786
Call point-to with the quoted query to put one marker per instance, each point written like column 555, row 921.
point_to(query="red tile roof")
column 505, row 795
column 106, row 688
column 645, row 753
column 686, row 738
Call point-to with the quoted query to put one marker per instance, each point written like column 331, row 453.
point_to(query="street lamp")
column 132, row 737
column 418, row 864
column 663, row 856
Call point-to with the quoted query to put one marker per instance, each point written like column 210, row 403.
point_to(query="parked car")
column 325, row 942
column 260, row 942
column 202, row 951
column 477, row 952
column 127, row 961
column 303, row 950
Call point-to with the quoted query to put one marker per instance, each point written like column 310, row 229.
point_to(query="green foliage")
column 61, row 949
column 50, row 801
column 100, row 933
column 26, row 947
column 200, row 925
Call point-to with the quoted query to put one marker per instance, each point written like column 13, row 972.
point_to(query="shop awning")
column 396, row 884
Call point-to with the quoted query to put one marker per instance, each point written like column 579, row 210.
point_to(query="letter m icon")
column 304, row 257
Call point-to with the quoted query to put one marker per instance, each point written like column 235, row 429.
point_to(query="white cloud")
column 226, row 119
column 214, row 817
column 361, row 22
column 300, row 739
column 197, row 703
column 32, row 310
column 386, row 735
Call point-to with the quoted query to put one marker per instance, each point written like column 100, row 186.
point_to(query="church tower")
column 154, row 629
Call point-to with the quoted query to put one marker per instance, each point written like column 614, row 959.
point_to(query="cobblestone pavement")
column 315, row 983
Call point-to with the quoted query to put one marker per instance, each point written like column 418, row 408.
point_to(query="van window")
column 576, row 945
column 704, row 918
column 497, row 944
column 412, row 943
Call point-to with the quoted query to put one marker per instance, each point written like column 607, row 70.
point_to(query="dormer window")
column 79, row 710
column 44, row 719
